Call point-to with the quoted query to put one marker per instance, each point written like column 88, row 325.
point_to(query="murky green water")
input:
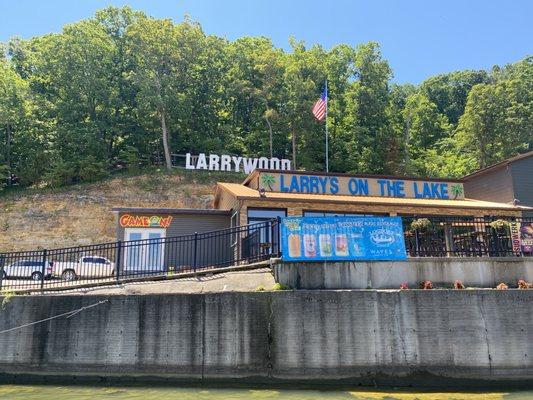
column 36, row 392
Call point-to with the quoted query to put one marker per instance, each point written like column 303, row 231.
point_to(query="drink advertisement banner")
column 342, row 238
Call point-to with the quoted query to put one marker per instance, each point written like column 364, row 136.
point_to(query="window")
column 264, row 234
column 264, row 214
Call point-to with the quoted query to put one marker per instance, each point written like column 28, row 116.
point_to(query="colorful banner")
column 342, row 238
column 526, row 234
column 514, row 228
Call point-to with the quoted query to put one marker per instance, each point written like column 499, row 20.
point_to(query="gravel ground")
column 237, row 281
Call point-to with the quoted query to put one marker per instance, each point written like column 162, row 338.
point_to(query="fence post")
column 2, row 262
column 278, row 236
column 118, row 260
column 195, row 262
column 43, row 269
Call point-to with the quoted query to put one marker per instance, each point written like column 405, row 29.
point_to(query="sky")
column 419, row 38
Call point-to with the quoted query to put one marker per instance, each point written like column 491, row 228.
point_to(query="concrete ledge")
column 477, row 272
column 330, row 337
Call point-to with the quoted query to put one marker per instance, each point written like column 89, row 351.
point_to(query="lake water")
column 49, row 392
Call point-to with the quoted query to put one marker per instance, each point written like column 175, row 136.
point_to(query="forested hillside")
column 122, row 90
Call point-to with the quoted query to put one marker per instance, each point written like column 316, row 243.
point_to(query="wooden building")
column 509, row 181
column 267, row 194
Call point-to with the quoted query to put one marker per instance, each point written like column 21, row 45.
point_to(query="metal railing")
column 124, row 260
column 466, row 237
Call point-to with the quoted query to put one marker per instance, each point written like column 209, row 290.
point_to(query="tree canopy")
column 123, row 89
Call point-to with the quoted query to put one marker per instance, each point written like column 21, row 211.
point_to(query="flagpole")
column 326, row 122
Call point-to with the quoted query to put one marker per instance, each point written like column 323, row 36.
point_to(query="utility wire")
column 67, row 314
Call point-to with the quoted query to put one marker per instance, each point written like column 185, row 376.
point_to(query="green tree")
column 366, row 128
column 424, row 128
column 13, row 105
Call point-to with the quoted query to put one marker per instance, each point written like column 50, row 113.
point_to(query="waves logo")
column 382, row 237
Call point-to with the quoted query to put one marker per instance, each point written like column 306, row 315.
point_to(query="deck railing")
column 119, row 261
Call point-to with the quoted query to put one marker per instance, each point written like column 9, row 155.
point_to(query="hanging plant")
column 421, row 224
column 499, row 225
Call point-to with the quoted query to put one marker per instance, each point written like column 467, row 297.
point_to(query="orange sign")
column 144, row 221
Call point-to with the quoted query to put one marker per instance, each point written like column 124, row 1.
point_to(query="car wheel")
column 36, row 276
column 4, row 275
column 68, row 275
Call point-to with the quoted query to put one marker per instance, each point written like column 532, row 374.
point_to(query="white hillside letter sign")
column 224, row 162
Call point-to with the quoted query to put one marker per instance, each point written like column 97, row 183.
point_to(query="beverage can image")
column 326, row 248
column 294, row 245
column 341, row 245
column 358, row 249
column 310, row 245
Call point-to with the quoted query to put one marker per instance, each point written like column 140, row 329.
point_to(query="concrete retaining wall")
column 309, row 336
column 476, row 272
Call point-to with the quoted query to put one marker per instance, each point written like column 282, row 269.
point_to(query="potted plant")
column 421, row 224
column 426, row 285
column 499, row 225
column 522, row 284
column 458, row 284
column 502, row 286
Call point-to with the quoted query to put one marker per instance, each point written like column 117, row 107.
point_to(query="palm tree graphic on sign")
column 457, row 190
column 268, row 180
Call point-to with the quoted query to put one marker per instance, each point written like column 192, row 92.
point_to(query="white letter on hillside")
column 237, row 162
column 202, row 162
column 274, row 163
column 188, row 164
column 285, row 165
column 225, row 163
column 213, row 162
column 249, row 164
column 263, row 163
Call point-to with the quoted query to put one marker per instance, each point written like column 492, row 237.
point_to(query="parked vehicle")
column 27, row 269
column 85, row 267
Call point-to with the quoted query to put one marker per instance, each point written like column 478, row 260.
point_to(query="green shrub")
column 280, row 286
column 66, row 172
column 260, row 288
column 129, row 156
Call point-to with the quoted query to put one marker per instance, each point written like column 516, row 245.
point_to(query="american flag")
column 319, row 109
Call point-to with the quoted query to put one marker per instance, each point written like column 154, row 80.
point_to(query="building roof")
column 242, row 192
column 499, row 165
column 256, row 172
column 190, row 211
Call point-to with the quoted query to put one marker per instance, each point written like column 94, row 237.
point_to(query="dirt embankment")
column 81, row 214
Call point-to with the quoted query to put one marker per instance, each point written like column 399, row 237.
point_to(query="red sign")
column 144, row 221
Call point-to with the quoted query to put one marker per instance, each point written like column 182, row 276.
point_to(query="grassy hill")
column 37, row 218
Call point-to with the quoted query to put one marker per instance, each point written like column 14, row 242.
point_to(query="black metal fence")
column 115, row 262
column 467, row 237
column 122, row 260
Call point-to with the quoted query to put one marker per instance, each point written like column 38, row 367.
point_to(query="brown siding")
column 227, row 201
column 494, row 186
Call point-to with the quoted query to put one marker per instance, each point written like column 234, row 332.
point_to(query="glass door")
column 146, row 255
